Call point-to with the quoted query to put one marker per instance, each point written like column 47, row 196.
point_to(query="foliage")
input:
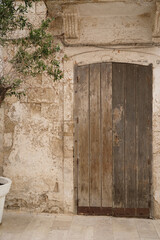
column 35, row 53
column 12, row 16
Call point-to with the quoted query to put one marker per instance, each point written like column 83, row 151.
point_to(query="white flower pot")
column 5, row 184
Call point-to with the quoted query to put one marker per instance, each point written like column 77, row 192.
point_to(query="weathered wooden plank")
column 114, row 126
column 144, row 126
column 75, row 138
column 149, row 132
column 83, row 135
column 95, row 164
column 130, row 135
column 118, row 79
column 106, row 133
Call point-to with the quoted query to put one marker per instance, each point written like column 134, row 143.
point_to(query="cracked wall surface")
column 1, row 116
column 37, row 132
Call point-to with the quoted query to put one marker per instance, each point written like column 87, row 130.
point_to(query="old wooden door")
column 113, row 139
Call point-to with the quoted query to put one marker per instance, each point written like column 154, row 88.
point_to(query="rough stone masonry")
column 37, row 132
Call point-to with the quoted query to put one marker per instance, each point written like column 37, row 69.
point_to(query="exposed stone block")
column 24, row 99
column 1, row 158
column 41, row 8
column 57, row 129
column 68, row 147
column 156, row 31
column 8, row 125
column 11, row 99
column 7, row 151
column 1, row 60
column 70, row 25
column 53, row 111
column 68, row 101
column 35, row 108
column 68, row 128
column 32, row 82
column 1, row 141
column 1, row 119
column 1, row 171
column 37, row 19
column 56, row 145
column 8, row 139
column 41, row 95
column 68, row 185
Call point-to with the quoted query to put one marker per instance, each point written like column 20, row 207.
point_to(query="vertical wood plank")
column 106, row 134
column 83, row 135
column 130, row 135
column 114, row 137
column 75, row 139
column 144, row 141
column 95, row 164
column 149, row 131
column 119, row 72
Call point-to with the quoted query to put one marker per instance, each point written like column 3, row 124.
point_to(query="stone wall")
column 37, row 133
column 34, row 138
column 33, row 145
column 1, row 117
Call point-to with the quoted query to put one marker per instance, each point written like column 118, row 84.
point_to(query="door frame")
column 75, row 160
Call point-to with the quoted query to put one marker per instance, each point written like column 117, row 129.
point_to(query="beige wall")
column 37, row 132
column 110, row 23
column 1, row 117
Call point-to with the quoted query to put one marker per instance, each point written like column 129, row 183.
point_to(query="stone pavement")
column 27, row 226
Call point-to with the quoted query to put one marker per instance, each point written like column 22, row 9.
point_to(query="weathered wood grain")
column 119, row 74
column 75, row 154
column 114, row 139
column 83, row 135
column 106, row 133
column 95, row 164
column 144, row 125
column 130, row 135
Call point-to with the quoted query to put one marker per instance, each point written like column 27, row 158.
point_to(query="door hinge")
column 77, row 79
column 77, row 120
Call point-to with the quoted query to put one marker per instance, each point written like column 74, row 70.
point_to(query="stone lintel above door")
column 156, row 30
column 107, row 22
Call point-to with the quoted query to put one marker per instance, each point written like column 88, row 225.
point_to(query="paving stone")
column 124, row 229
column 157, row 226
column 57, row 235
column 146, row 229
column 31, row 226
column 37, row 229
